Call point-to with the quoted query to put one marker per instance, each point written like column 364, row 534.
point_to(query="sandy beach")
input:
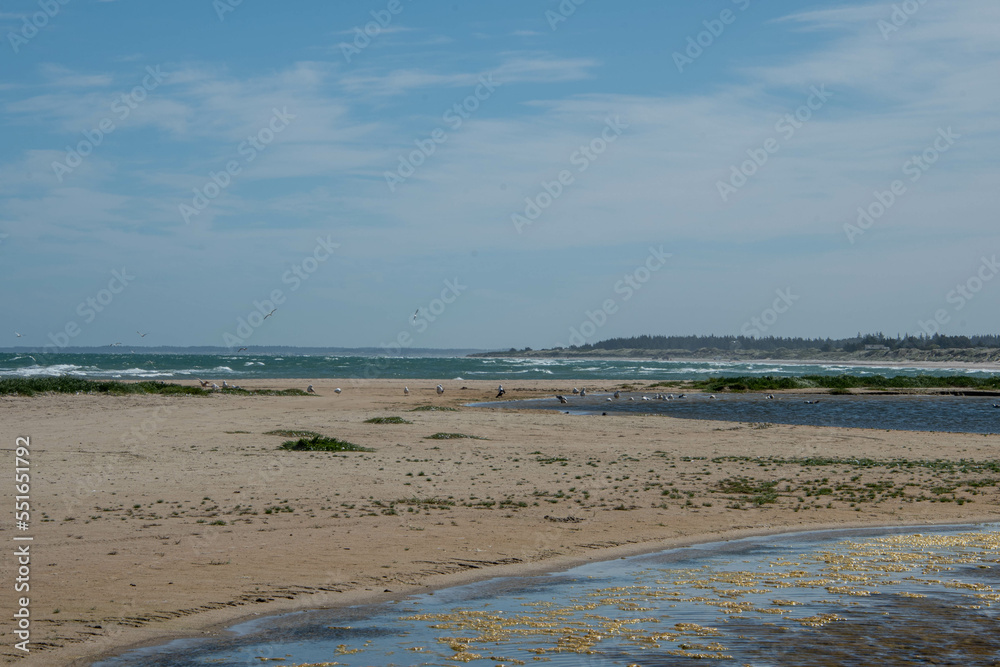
column 162, row 516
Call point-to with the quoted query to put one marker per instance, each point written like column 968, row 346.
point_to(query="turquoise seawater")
column 167, row 367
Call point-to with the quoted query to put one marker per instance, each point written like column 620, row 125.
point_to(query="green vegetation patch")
column 72, row 385
column 293, row 434
column 452, row 436
column 433, row 408
column 321, row 443
column 387, row 420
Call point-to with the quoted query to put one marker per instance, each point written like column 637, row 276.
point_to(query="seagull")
column 337, row 390
column 631, row 398
column 17, row 334
column 618, row 394
column 215, row 387
column 681, row 395
column 310, row 389
column 500, row 391
column 575, row 390
column 711, row 395
column 645, row 398
column 995, row 405
column 609, row 400
column 406, row 391
column 440, row 390
column 114, row 344
column 415, row 313
column 770, row 397
column 204, row 383
column 812, row 402
column 226, row 385
column 583, row 392
column 36, row 361
column 241, row 349
column 269, row 314
column 142, row 335
column 562, row 399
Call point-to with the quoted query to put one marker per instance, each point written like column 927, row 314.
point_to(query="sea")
column 169, row 367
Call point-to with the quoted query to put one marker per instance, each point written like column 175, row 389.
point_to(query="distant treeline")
column 772, row 343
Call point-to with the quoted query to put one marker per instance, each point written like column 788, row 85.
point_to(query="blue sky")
column 313, row 151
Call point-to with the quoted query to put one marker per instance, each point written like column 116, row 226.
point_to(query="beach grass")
column 72, row 385
column 433, row 408
column 387, row 420
column 452, row 436
column 299, row 433
column 322, row 443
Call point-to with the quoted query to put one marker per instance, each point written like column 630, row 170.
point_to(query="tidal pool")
column 881, row 596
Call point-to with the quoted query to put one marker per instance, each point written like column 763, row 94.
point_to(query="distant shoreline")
column 960, row 358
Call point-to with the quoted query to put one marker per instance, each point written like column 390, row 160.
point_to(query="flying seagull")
column 204, row 383
column 142, row 335
column 440, row 390
column 562, row 399
column 269, row 314
column 17, row 334
column 415, row 313
column 241, row 349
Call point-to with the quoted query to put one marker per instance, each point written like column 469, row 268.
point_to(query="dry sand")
column 157, row 516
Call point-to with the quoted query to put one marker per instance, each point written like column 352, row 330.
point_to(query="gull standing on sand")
column 575, row 390
column 500, row 391
column 204, row 383
column 310, row 389
column 440, row 390
column 337, row 390
column 406, row 391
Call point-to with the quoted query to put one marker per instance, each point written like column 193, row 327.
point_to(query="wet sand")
column 158, row 516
